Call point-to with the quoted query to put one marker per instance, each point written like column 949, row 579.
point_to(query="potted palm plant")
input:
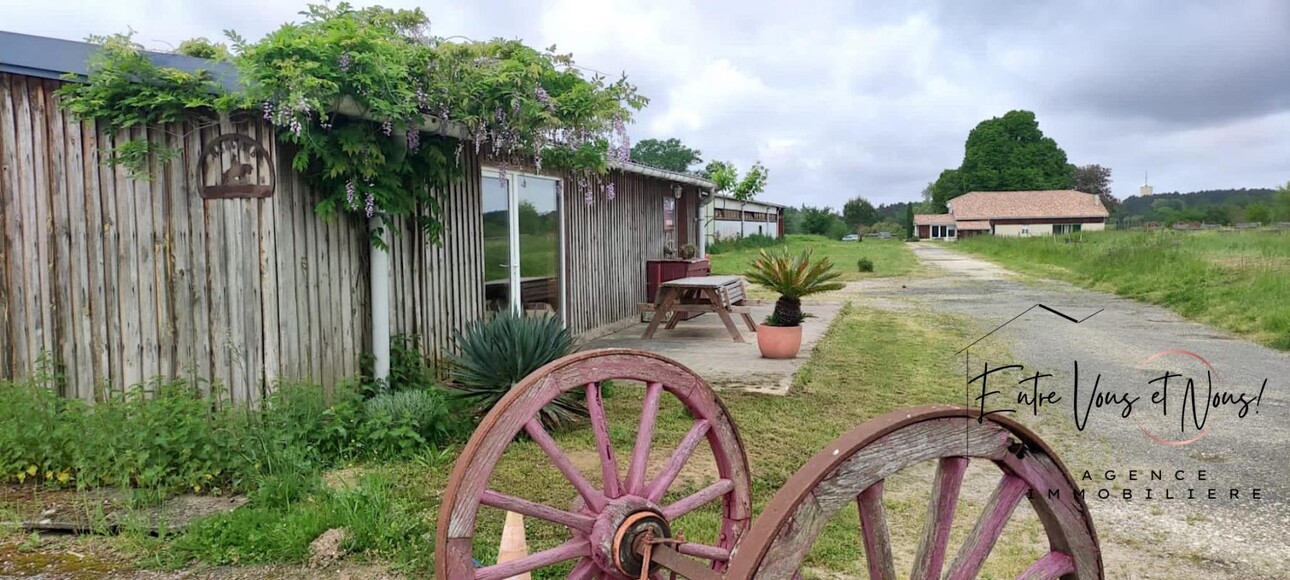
column 793, row 277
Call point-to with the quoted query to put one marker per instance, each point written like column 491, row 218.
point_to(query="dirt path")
column 1143, row 538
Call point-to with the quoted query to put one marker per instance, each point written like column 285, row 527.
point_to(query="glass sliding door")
column 522, row 243
column 538, row 220
column 497, row 244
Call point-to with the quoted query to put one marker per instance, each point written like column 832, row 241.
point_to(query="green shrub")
column 398, row 423
column 865, row 265
column 495, row 353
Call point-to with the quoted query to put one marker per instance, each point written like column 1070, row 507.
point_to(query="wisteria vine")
column 351, row 90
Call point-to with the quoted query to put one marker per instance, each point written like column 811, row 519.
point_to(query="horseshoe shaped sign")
column 235, row 166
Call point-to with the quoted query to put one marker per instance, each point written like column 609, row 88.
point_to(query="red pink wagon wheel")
column 613, row 504
column 853, row 468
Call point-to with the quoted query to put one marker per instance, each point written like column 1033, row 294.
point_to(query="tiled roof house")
column 1015, row 213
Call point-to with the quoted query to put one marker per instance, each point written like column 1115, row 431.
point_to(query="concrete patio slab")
column 703, row 344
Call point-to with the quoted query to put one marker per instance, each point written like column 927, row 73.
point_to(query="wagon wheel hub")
column 634, row 539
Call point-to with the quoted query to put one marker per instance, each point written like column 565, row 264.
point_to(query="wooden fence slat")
column 69, row 263
column 199, row 249
column 281, row 253
column 95, row 315
column 155, row 326
column 31, row 262
column 20, row 358
column 180, row 259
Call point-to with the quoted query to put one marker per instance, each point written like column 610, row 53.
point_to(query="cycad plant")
column 792, row 277
column 495, row 353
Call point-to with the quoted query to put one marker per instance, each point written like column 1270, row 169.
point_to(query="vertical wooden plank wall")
column 607, row 244
column 120, row 280
column 437, row 288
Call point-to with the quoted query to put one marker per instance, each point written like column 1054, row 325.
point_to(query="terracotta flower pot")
column 779, row 341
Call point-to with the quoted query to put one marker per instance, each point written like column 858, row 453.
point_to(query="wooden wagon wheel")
column 611, row 515
column 853, row 467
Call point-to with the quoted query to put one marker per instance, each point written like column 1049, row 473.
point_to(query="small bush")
column 865, row 265
column 495, row 353
column 399, row 423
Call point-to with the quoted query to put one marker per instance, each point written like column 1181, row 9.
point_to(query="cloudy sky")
column 845, row 98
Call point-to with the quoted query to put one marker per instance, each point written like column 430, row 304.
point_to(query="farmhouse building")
column 1014, row 213
column 120, row 280
column 728, row 218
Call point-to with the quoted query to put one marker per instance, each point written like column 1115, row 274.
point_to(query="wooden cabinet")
column 665, row 269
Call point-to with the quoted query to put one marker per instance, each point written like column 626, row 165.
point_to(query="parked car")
column 850, row 238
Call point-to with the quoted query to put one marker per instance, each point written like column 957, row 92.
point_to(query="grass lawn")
column 1239, row 281
column 890, row 257
column 870, row 362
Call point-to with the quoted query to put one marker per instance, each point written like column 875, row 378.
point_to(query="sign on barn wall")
column 235, row 166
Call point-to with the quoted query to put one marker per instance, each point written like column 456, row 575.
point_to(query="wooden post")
column 514, row 545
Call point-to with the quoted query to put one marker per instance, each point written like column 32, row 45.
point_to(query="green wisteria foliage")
column 380, row 66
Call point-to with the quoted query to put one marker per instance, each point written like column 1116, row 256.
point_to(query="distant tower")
column 1145, row 190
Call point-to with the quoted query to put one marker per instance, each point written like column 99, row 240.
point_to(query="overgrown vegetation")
column 1236, row 281
column 383, row 69
column 170, row 436
column 864, row 265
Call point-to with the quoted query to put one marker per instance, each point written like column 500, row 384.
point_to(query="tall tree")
column 1007, row 153
column 819, row 220
column 726, row 177
column 670, row 154
column 857, row 212
column 1095, row 179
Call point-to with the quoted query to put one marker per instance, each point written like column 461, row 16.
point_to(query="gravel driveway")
column 1180, row 531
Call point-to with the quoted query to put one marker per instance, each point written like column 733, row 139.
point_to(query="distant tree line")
column 1216, row 206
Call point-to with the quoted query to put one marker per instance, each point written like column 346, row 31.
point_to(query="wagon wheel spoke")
column 877, row 541
column 988, row 528
column 644, row 437
column 679, row 457
column 714, row 553
column 705, row 495
column 566, row 551
column 580, row 522
column 589, row 494
column 1052, row 566
column 585, row 570
column 940, row 517
column 605, row 448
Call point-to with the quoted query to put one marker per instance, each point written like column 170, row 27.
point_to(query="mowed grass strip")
column 890, row 257
column 871, row 362
column 1239, row 281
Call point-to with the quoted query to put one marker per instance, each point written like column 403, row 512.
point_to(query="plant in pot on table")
column 792, row 277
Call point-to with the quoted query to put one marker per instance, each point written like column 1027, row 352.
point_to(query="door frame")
column 512, row 222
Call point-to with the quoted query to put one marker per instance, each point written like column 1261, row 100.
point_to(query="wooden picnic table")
column 723, row 295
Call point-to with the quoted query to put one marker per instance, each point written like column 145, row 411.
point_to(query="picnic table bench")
column 724, row 295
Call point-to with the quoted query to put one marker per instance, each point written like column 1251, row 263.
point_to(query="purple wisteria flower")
column 371, row 204
column 387, row 127
column 268, row 111
column 344, row 61
column 351, row 195
column 545, row 99
column 414, row 140
column 587, row 193
column 609, row 191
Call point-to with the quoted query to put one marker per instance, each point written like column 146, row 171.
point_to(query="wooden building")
column 118, row 280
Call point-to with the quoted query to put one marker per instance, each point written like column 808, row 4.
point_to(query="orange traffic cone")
column 514, row 546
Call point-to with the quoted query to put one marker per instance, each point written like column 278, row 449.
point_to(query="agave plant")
column 792, row 277
column 495, row 353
